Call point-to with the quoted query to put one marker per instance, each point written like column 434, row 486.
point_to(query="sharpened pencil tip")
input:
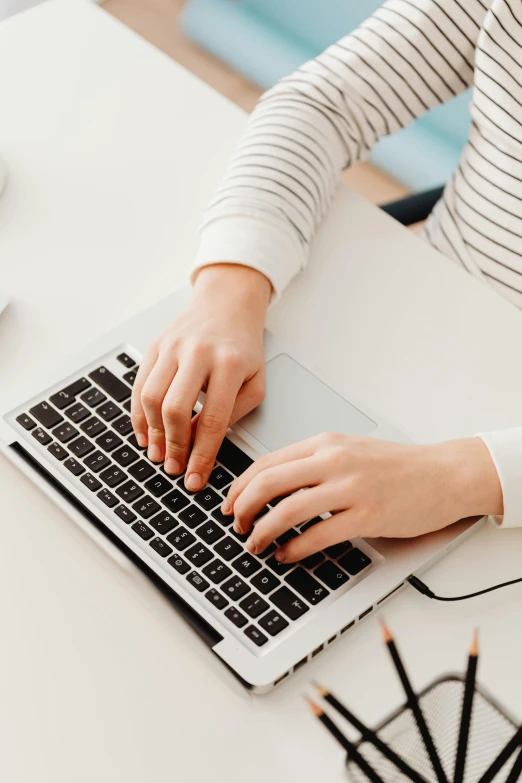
column 474, row 649
column 316, row 709
column 320, row 689
column 386, row 633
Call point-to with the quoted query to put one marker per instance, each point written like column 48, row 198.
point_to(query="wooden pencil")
column 354, row 755
column 516, row 770
column 504, row 756
column 414, row 706
column 466, row 713
column 370, row 736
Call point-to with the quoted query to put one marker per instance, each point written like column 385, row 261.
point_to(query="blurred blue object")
column 267, row 39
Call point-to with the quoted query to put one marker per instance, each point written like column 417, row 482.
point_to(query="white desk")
column 113, row 152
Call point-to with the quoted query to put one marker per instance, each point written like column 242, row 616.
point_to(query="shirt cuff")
column 251, row 242
column 505, row 447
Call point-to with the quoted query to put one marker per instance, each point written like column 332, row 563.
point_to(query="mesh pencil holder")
column 441, row 704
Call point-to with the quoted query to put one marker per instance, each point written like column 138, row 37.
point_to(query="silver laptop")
column 71, row 433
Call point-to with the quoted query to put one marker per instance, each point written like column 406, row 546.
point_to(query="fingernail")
column 237, row 526
column 193, row 481
column 172, row 466
column 142, row 440
column 225, row 508
column 280, row 556
column 251, row 546
column 154, row 453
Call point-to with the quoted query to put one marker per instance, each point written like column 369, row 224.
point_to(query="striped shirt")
column 408, row 57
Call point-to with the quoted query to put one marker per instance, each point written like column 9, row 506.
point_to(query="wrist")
column 472, row 477
column 235, row 284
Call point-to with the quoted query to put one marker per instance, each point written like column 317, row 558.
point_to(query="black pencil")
column 504, row 755
column 516, row 770
column 467, row 709
column 370, row 736
column 414, row 705
column 349, row 747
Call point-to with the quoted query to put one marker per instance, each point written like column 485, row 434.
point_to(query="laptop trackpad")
column 299, row 405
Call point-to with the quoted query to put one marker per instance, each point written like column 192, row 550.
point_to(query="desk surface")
column 113, row 151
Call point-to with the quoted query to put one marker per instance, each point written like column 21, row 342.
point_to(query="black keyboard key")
column 115, row 388
column 81, row 446
column 146, row 507
column 125, row 513
column 255, row 635
column 108, row 498
column 130, row 377
column 228, row 548
column 310, row 523
column 123, row 425
column 129, row 491
column 181, row 538
column 268, row 551
column 197, row 581
column 141, row 470
column 216, row 598
column 198, row 555
column 277, row 567
column 235, row 616
column 210, row 532
column 57, row 451
column 158, row 485
column 91, row 482
column 246, row 564
column 208, row 499
column 235, row 588
column 219, row 478
column 41, row 435
column 265, row 581
column 312, row 560
column 125, row 456
column 26, row 421
column 331, row 575
column 225, row 520
column 217, row 571
column 108, row 441
column 287, row 536
column 278, row 499
column 254, row 605
column 163, row 522
column 46, row 415
column 74, row 466
column 159, row 546
column 354, row 561
column 127, row 405
column 97, row 461
column 176, row 500
column 134, row 443
column 192, row 516
column 233, row 458
column 305, row 584
column 273, row 623
column 126, row 360
column 337, row 550
column 65, row 432
column 243, row 537
column 93, row 397
column 142, row 530
column 289, row 603
column 108, row 411
column 93, row 427
column 178, row 564
column 77, row 413
column 64, row 397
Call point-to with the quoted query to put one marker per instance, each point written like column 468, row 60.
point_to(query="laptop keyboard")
column 86, row 426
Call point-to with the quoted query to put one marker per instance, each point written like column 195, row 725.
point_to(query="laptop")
column 71, row 434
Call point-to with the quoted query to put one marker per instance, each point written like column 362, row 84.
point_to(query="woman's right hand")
column 215, row 345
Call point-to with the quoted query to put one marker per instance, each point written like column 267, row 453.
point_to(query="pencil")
column 502, row 757
column 414, row 705
column 370, row 736
column 467, row 709
column 348, row 746
column 516, row 770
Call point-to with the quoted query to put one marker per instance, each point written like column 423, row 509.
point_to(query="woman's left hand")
column 371, row 487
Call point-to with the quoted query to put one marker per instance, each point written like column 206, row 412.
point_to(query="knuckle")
column 231, row 360
column 172, row 412
column 150, row 398
column 201, row 462
column 211, row 423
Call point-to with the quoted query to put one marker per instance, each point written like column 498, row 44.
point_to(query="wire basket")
column 441, row 703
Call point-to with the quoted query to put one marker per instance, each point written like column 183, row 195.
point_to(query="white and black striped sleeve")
column 408, row 57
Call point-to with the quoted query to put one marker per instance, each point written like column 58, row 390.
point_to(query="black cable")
column 425, row 590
